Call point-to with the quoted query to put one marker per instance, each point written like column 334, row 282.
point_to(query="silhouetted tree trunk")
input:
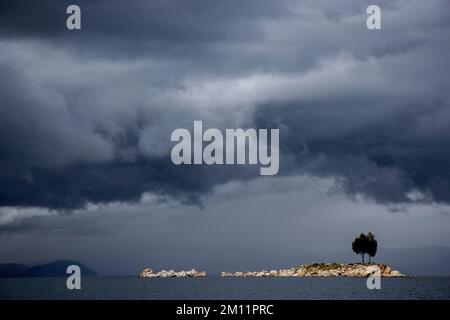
column 362, row 257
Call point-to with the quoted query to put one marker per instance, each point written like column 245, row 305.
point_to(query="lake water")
column 215, row 287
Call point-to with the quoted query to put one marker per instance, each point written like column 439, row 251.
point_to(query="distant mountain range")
column 53, row 269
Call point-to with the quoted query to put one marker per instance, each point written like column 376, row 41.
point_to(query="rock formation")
column 149, row 273
column 323, row 270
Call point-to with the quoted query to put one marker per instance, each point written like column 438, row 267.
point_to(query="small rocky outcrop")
column 323, row 270
column 193, row 273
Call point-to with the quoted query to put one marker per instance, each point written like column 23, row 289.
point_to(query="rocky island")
column 323, row 270
column 149, row 273
column 362, row 245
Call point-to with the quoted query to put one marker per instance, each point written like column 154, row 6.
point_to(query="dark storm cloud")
column 390, row 159
column 87, row 115
column 74, row 186
column 157, row 20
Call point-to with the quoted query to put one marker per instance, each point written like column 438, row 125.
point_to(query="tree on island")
column 372, row 245
column 365, row 244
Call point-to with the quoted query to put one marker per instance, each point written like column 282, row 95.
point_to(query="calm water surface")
column 215, row 287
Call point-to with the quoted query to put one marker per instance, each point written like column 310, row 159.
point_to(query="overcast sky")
column 86, row 118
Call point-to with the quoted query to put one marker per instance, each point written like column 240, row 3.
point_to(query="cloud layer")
column 87, row 116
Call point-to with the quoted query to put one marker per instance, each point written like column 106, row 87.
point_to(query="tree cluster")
column 365, row 244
